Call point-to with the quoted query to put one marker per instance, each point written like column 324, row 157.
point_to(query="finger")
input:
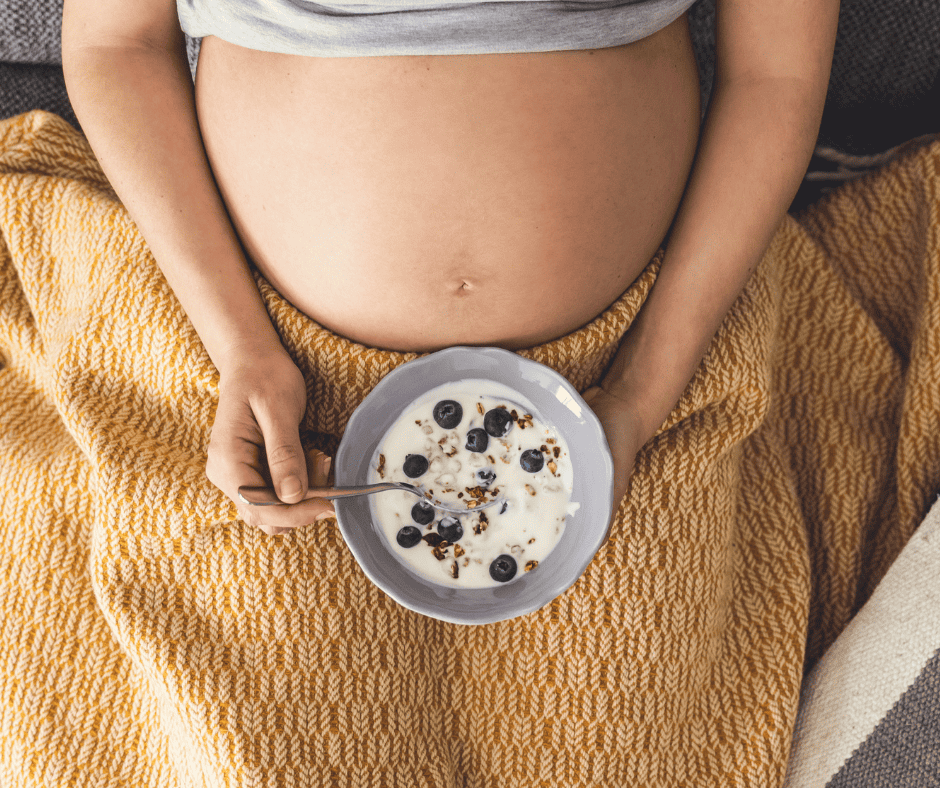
column 257, row 520
column 275, row 520
column 296, row 515
column 278, row 520
column 591, row 393
column 235, row 453
column 284, row 454
column 319, row 465
column 318, row 468
column 234, row 448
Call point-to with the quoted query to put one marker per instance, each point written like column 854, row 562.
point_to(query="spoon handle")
column 266, row 496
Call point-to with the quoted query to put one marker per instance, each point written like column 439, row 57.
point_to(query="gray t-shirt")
column 426, row 27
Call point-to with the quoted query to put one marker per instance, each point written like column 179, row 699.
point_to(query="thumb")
column 590, row 394
column 285, row 457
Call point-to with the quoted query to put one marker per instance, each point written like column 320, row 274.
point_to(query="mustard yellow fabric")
column 149, row 639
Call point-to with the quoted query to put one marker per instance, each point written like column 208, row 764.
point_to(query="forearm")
column 755, row 147
column 136, row 106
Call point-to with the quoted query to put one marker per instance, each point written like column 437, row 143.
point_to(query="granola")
column 470, row 438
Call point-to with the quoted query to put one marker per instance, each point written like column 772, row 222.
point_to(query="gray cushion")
column 26, row 86
column 30, row 31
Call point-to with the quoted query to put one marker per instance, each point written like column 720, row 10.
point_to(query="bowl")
column 559, row 405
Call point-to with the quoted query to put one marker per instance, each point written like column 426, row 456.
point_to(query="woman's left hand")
column 624, row 433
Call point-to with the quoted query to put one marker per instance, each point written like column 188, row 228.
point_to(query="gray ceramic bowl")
column 559, row 404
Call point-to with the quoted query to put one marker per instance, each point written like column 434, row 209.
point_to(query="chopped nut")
column 550, row 441
column 556, row 450
column 480, row 493
column 514, row 413
column 530, row 489
column 454, row 570
column 552, row 466
column 480, row 409
column 543, row 448
column 418, row 422
column 458, row 551
column 466, row 562
column 440, row 553
column 381, row 466
column 434, row 539
column 530, row 565
column 531, row 540
column 490, row 458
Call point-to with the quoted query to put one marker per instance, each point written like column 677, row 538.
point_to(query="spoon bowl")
column 266, row 496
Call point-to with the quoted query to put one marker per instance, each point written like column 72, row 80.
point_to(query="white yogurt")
column 526, row 524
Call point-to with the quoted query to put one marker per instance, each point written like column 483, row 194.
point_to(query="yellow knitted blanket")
column 150, row 639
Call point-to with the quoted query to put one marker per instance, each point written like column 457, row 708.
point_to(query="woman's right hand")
column 130, row 86
column 256, row 441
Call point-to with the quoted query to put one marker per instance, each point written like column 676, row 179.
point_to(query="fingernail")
column 290, row 487
column 325, row 516
column 325, row 463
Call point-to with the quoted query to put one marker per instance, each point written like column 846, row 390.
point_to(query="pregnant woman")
column 428, row 174
column 346, row 185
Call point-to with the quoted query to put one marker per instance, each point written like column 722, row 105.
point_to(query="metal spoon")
column 266, row 496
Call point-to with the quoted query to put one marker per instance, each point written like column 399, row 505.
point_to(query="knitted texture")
column 150, row 639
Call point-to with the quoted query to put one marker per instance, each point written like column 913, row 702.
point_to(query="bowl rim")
column 499, row 612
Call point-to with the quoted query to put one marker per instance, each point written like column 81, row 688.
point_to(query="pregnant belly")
column 413, row 203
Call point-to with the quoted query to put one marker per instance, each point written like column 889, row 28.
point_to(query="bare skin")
column 507, row 208
column 415, row 203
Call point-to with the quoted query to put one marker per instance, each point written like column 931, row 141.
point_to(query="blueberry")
column 477, row 440
column 450, row 529
column 448, row 413
column 532, row 460
column 503, row 568
column 415, row 465
column 422, row 512
column 408, row 536
column 486, row 476
column 497, row 422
